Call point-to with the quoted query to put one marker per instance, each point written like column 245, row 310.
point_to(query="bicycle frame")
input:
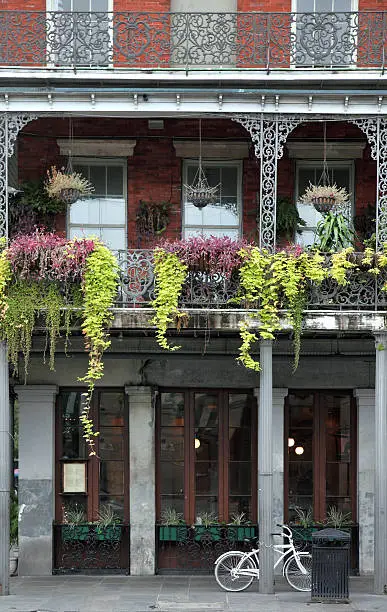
column 285, row 551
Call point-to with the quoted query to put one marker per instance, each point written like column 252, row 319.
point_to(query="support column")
column 366, row 477
column 142, row 480
column 5, row 470
column 36, row 478
column 265, row 469
column 279, row 395
column 380, row 575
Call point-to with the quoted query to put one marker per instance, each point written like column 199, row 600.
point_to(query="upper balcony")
column 211, row 42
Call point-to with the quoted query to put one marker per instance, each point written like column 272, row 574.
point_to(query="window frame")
column 223, row 492
column 104, row 161
column 189, row 162
column 319, row 460
column 308, row 163
column 92, row 463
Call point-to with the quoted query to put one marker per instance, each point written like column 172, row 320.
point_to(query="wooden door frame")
column 319, row 451
column 223, row 449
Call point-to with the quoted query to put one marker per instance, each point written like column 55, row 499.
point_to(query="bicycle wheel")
column 226, row 575
column 294, row 575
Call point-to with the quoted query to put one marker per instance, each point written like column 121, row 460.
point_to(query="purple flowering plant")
column 212, row 254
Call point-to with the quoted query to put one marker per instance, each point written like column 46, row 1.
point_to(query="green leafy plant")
column 170, row 516
column 333, row 233
column 170, row 274
column 107, row 516
column 304, row 517
column 336, row 518
column 238, row 519
column 206, row 519
column 288, row 221
column 74, row 514
column 13, row 521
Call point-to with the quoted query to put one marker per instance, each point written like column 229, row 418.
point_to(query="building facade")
column 268, row 95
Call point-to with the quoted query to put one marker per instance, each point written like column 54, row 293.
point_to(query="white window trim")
column 92, row 161
column 347, row 164
column 206, row 162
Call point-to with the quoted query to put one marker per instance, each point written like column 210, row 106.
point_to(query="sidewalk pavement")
column 170, row 594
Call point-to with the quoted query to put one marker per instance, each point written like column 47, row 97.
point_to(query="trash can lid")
column 331, row 535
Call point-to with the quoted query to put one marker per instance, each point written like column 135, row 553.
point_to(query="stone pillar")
column 142, row 480
column 265, row 468
column 380, row 573
column 366, row 477
column 36, row 478
column 5, row 470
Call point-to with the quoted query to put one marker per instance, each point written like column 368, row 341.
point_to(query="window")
column 222, row 218
column 81, row 40
column 321, row 454
column 325, row 39
column 310, row 172
column 206, row 462
column 103, row 214
column 106, row 477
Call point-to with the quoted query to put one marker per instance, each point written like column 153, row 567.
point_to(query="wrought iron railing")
column 195, row 548
column 88, row 547
column 206, row 290
column 134, row 40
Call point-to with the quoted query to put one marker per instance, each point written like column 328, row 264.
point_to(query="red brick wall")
column 271, row 6
column 154, row 171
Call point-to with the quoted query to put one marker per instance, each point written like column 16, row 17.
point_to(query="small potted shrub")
column 65, row 186
column 171, row 525
column 206, row 523
column 108, row 527
column 75, row 525
column 239, row 528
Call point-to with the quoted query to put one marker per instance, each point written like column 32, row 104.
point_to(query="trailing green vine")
column 170, row 274
column 99, row 288
column 44, row 279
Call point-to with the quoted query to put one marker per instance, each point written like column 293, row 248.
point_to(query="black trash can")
column 330, row 565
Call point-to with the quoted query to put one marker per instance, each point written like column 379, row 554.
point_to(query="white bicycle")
column 235, row 570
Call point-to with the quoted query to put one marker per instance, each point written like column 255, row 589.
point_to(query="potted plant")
column 68, row 187
column 333, row 233
column 206, row 523
column 13, row 536
column 240, row 528
column 152, row 218
column 32, row 206
column 325, row 197
column 338, row 519
column 75, row 526
column 169, row 529
column 288, row 221
column 108, row 527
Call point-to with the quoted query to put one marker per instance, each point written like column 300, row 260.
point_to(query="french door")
column 90, row 486
column 320, row 452
column 206, row 459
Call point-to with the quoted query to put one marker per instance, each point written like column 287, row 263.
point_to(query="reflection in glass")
column 111, row 477
column 206, row 473
column 172, row 478
column 73, row 443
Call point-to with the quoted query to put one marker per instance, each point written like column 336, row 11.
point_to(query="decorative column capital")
column 381, row 341
column 33, row 394
column 137, row 390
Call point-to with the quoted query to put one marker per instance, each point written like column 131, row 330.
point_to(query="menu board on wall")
column 74, row 478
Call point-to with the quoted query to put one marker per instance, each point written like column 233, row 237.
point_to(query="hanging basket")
column 69, row 196
column 201, row 196
column 323, row 204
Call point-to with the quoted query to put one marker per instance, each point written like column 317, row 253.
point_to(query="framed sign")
column 74, row 477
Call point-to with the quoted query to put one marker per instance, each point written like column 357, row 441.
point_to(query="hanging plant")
column 68, row 187
column 152, row 218
column 44, row 275
column 325, row 197
column 333, row 233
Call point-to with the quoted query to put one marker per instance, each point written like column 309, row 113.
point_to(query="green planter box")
column 172, row 533
column 110, row 532
column 75, row 532
column 203, row 532
column 238, row 533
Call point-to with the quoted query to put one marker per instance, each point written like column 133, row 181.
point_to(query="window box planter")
column 109, row 532
column 210, row 532
column 75, row 532
column 172, row 533
column 238, row 533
